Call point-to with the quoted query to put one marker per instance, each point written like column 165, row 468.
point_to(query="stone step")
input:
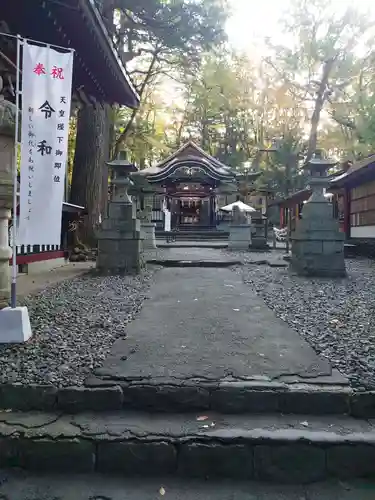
column 197, row 238
column 21, row 485
column 193, row 236
column 187, row 227
column 279, row 448
column 224, row 397
column 195, row 263
column 214, row 244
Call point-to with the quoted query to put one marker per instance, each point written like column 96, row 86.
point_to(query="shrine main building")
column 192, row 185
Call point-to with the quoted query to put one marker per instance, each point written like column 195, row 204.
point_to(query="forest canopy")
column 316, row 91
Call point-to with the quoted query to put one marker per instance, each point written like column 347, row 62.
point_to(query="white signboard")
column 46, row 94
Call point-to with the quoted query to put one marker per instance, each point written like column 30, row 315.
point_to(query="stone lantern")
column 239, row 230
column 317, row 243
column 119, row 240
column 7, row 119
column 14, row 322
column 145, row 193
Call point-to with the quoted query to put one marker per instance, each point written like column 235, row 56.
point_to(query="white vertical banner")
column 46, row 96
column 167, row 221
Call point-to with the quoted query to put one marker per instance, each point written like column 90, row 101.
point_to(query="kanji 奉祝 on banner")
column 46, row 96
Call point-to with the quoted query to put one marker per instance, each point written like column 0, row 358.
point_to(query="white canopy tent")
column 242, row 206
column 327, row 196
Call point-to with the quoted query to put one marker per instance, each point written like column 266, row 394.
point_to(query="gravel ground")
column 336, row 317
column 74, row 324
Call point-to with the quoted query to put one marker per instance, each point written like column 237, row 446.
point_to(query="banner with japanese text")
column 46, row 95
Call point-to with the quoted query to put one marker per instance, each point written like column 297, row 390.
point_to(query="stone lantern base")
column 239, row 237
column 119, row 237
column 119, row 241
column 148, row 235
column 259, row 239
column 317, row 243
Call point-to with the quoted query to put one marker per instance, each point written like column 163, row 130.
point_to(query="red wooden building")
column 352, row 194
column 356, row 191
column 291, row 207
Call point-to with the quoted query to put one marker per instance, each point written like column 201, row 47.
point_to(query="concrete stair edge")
column 225, row 397
column 20, row 485
column 292, row 449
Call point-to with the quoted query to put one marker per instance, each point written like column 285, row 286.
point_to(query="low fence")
column 27, row 254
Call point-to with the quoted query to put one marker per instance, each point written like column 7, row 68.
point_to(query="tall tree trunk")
column 204, row 127
column 179, row 133
column 123, row 136
column 87, row 175
column 107, row 154
column 319, row 104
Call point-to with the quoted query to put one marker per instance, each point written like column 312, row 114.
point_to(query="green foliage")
column 230, row 108
column 165, row 38
column 282, row 170
column 145, row 142
column 189, row 27
column 317, row 90
column 325, row 59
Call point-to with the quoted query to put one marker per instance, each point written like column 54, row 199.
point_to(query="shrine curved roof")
column 188, row 165
column 188, row 158
column 196, row 151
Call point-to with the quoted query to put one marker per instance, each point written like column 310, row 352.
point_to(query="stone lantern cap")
column 121, row 166
column 121, row 170
column 318, row 167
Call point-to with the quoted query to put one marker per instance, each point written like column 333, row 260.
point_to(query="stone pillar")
column 6, row 201
column 119, row 239
column 148, row 227
column 317, row 243
column 239, row 232
column 259, row 236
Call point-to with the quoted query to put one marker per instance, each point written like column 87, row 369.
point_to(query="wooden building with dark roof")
column 356, row 188
column 189, row 183
column 353, row 201
column 99, row 73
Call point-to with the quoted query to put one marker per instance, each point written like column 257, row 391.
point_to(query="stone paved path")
column 205, row 323
column 191, row 253
column 23, row 486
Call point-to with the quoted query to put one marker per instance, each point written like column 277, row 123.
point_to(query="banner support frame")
column 18, row 92
column 13, row 289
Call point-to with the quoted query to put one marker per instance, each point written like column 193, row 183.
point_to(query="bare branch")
column 141, row 91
